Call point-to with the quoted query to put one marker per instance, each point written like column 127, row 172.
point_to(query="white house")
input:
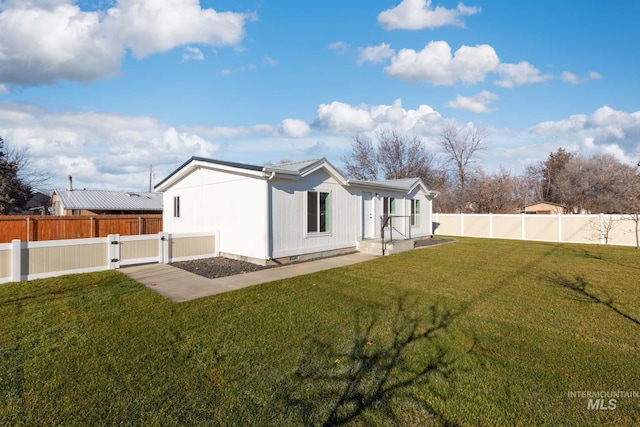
column 289, row 211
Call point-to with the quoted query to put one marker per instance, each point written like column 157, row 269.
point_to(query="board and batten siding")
column 212, row 200
column 289, row 216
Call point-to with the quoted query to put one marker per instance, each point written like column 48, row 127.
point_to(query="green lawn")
column 479, row 332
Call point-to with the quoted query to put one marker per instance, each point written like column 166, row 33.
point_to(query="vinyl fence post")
column 522, row 222
column 114, row 251
column 165, row 242
column 490, row 225
column 462, row 224
column 559, row 227
column 217, row 243
column 16, row 258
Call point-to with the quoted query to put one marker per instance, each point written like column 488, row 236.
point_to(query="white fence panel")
column 36, row 260
column 611, row 229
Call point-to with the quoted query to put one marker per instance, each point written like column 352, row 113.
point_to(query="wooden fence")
column 40, row 228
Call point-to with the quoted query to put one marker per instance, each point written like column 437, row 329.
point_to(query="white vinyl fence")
column 599, row 229
column 35, row 260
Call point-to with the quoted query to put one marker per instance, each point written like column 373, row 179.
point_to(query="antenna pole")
column 150, row 176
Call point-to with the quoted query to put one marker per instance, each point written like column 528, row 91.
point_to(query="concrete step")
column 374, row 246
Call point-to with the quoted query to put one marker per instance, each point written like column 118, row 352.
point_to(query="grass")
column 480, row 332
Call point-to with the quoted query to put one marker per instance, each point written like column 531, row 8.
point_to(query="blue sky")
column 102, row 89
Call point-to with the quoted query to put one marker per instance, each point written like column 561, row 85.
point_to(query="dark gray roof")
column 109, row 200
column 212, row 161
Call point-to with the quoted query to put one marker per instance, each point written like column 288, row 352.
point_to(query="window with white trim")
column 176, row 207
column 318, row 212
column 415, row 213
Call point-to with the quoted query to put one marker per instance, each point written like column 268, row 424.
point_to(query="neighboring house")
column 102, row 202
column 282, row 212
column 544, row 208
column 38, row 204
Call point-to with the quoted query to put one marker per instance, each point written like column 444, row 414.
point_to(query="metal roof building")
column 100, row 202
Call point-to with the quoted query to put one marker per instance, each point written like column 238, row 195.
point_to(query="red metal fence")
column 38, row 228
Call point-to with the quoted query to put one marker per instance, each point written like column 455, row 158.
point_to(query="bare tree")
column 36, row 179
column 496, row 193
column 597, row 184
column 460, row 147
column 394, row 156
column 400, row 156
column 362, row 161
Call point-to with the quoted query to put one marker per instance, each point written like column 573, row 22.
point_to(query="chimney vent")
column 70, row 183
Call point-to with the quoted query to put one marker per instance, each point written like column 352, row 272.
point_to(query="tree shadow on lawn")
column 335, row 384
column 579, row 285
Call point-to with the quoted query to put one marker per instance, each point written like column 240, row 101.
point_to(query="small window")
column 415, row 213
column 176, row 207
column 318, row 212
column 76, row 212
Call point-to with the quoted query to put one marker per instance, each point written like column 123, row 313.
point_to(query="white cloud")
column 572, row 78
column 45, row 41
column 594, row 75
column 520, row 74
column 192, row 53
column 40, row 46
column 605, row 130
column 375, row 54
column 294, row 128
column 436, row 64
column 478, row 103
column 569, row 77
column 418, row 14
column 340, row 48
column 270, row 61
column 3, row 89
column 152, row 26
column 101, row 150
column 345, row 118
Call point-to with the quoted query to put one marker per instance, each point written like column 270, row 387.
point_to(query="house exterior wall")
column 211, row 200
column 289, row 216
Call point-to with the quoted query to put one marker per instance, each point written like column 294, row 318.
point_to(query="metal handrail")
column 386, row 220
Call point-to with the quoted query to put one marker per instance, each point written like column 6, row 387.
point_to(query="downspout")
column 267, row 254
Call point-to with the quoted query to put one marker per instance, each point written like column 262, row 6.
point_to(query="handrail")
column 386, row 220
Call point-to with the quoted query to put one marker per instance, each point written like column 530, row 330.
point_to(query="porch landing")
column 376, row 246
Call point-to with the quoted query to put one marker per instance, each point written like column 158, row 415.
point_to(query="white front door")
column 367, row 215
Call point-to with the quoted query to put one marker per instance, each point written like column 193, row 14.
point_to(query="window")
column 415, row 213
column 388, row 207
column 76, row 212
column 318, row 212
column 176, row 207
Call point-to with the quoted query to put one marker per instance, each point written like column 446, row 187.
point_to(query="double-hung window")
column 318, row 212
column 415, row 213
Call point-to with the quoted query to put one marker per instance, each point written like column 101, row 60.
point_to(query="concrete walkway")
column 181, row 285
